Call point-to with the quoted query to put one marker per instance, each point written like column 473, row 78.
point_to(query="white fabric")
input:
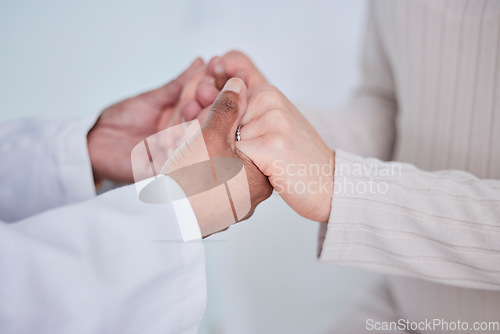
column 44, row 164
column 164, row 189
column 185, row 217
column 108, row 264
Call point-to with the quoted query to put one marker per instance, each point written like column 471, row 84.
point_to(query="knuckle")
column 206, row 94
column 277, row 115
column 276, row 142
column 237, row 55
column 269, row 87
column 278, row 119
column 269, row 98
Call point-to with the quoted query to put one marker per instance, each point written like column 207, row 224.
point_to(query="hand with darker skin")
column 216, row 142
column 124, row 124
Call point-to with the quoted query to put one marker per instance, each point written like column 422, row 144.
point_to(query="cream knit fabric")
column 430, row 102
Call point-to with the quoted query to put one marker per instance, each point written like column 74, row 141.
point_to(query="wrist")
column 97, row 156
column 92, row 152
column 210, row 201
column 193, row 170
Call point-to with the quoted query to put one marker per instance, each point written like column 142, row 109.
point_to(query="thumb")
column 226, row 113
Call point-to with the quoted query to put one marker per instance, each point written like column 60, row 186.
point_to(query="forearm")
column 394, row 218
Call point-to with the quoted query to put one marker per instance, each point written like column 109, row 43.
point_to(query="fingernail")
column 198, row 61
column 233, row 85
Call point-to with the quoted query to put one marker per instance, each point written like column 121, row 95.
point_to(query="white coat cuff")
column 164, row 189
column 75, row 169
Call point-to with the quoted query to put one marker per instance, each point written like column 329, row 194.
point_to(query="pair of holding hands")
column 278, row 148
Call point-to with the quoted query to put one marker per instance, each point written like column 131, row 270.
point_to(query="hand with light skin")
column 278, row 139
column 201, row 164
column 287, row 149
column 124, row 124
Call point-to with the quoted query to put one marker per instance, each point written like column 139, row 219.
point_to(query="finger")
column 237, row 64
column 263, row 98
column 211, row 65
column 216, row 69
column 164, row 95
column 170, row 93
column 257, row 127
column 187, row 101
column 226, row 112
column 257, row 151
column 206, row 92
column 202, row 116
column 191, row 110
column 190, row 86
column 193, row 68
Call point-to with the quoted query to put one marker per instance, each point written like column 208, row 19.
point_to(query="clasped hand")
column 278, row 147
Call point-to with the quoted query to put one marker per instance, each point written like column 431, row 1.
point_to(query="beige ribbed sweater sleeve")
column 391, row 217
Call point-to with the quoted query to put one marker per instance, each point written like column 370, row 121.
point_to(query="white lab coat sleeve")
column 44, row 165
column 112, row 264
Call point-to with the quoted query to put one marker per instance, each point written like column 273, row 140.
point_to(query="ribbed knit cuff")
column 392, row 217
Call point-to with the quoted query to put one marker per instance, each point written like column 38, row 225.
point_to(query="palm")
column 125, row 124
